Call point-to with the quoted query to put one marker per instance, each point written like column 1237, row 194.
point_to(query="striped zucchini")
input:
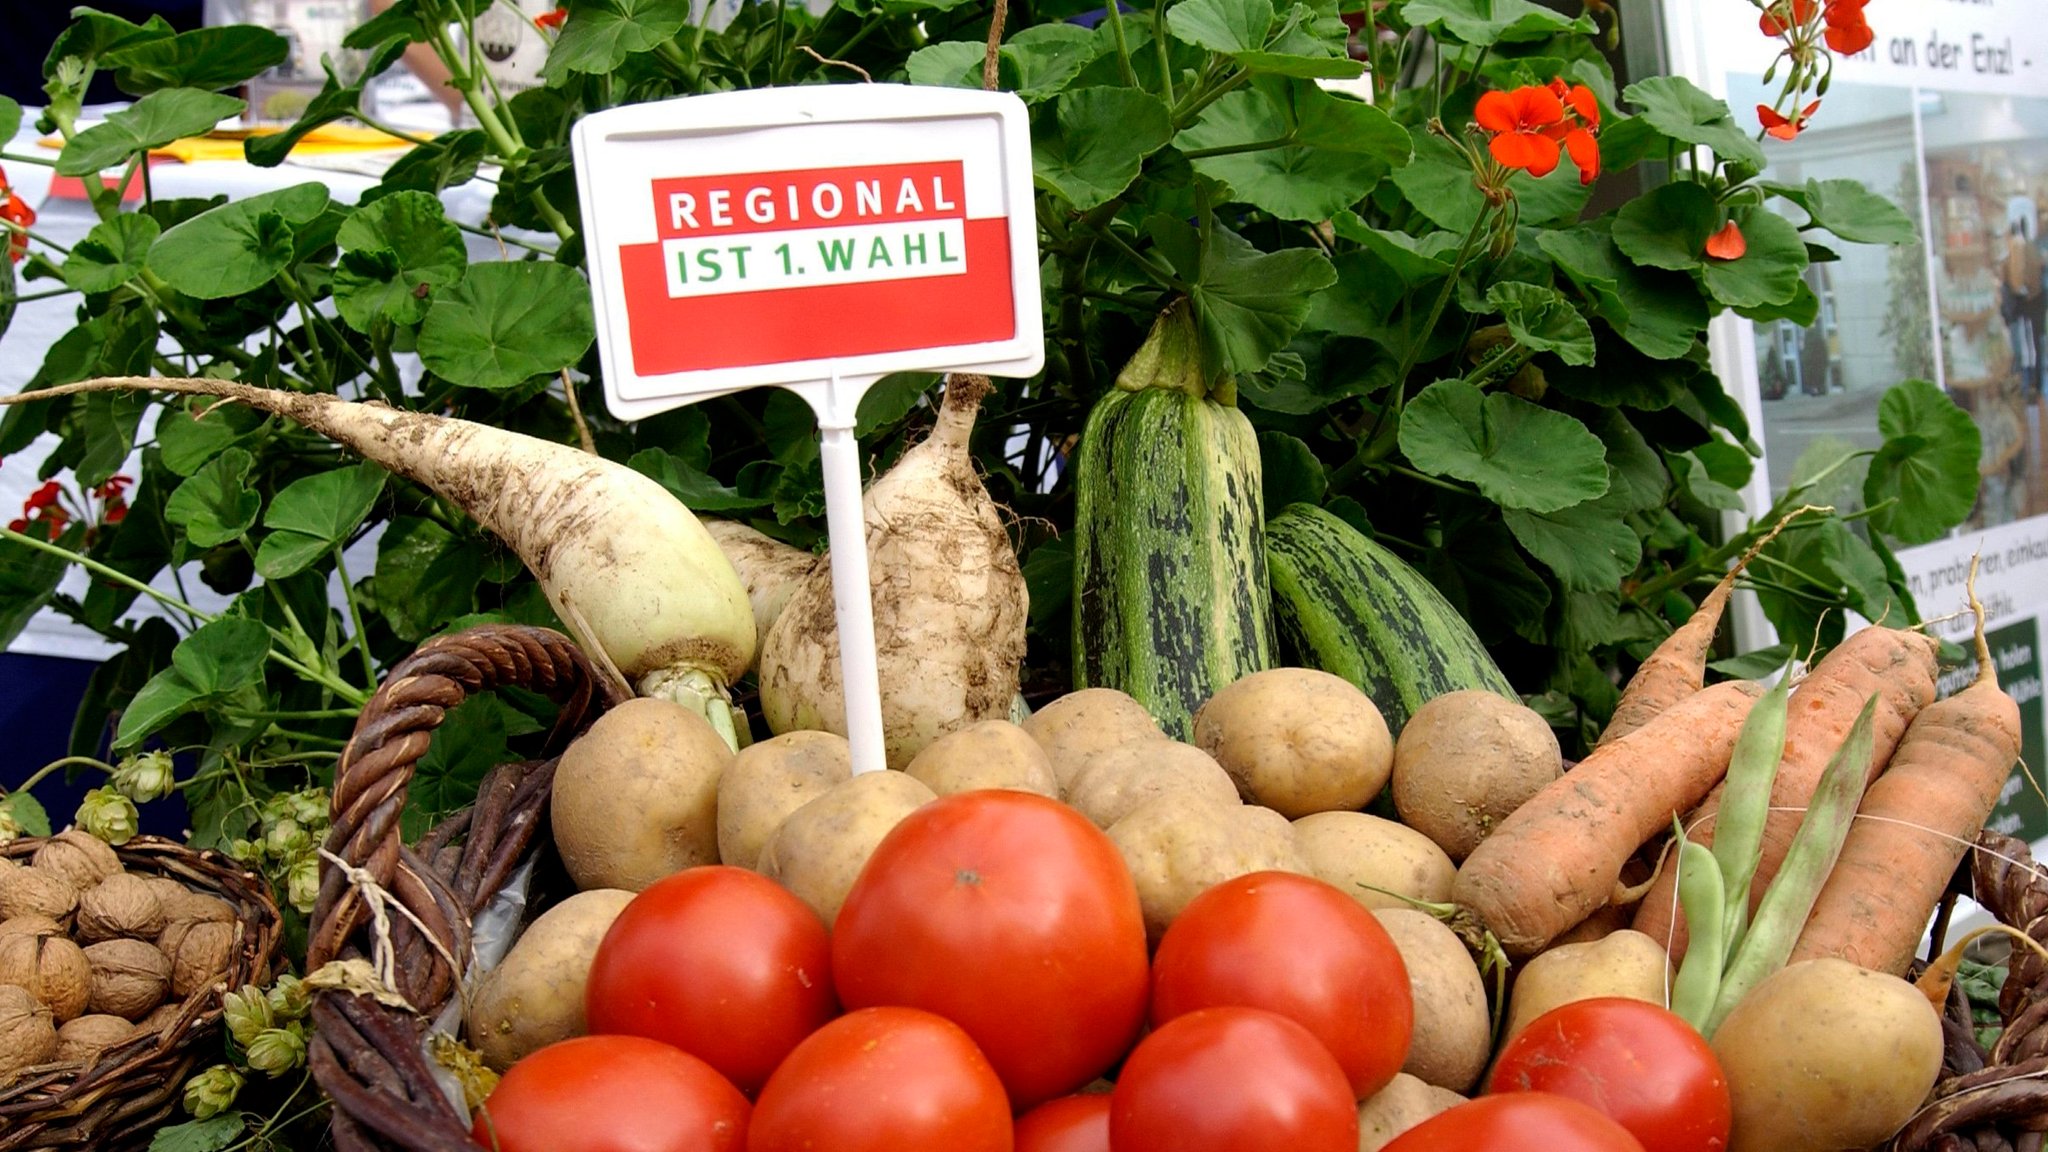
column 1170, row 595
column 1348, row 606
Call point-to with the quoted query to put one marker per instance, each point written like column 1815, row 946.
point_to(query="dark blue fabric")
column 38, row 697
column 32, row 26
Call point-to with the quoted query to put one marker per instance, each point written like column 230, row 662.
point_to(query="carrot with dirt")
column 1895, row 665
column 1916, row 822
column 1555, row 860
column 639, row 582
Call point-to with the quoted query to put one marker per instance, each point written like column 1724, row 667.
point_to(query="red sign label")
column 760, row 268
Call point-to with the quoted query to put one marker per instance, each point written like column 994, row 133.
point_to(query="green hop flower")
column 308, row 807
column 302, row 883
column 286, row 839
column 247, row 1014
column 276, row 1051
column 243, row 850
column 107, row 814
column 289, row 998
column 10, row 826
column 211, row 1092
column 145, row 777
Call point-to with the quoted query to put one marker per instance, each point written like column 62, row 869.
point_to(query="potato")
column 1354, row 849
column 1118, row 780
column 990, row 754
column 636, row 796
column 1298, row 741
column 1825, row 1055
column 1453, row 1033
column 1624, row 963
column 534, row 997
column 819, row 850
column 1466, row 760
column 1179, row 845
column 1399, row 1106
column 768, row 781
column 1073, row 728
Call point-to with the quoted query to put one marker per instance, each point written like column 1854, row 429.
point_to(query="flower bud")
column 107, row 814
column 289, row 998
column 302, row 883
column 212, row 1092
column 276, row 1051
column 247, row 1014
column 145, row 777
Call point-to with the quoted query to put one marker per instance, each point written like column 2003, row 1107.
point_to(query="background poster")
column 1946, row 114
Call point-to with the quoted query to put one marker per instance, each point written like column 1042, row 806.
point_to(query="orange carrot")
column 1898, row 667
column 1915, row 824
column 1554, row 861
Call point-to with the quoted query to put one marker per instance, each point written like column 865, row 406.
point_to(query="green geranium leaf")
column 314, row 515
column 1300, row 67
column 507, row 322
column 151, row 122
column 239, row 246
column 1483, row 22
column 444, row 162
column 110, row 423
column 1438, row 184
column 1768, row 272
column 223, row 656
column 472, row 741
column 1640, row 480
column 949, row 64
column 1678, row 109
column 1589, row 546
column 1519, row 454
column 112, row 254
column 216, row 505
column 1660, row 313
column 698, row 491
column 1669, row 227
column 27, row 813
column 1728, row 464
column 1542, row 319
column 1802, row 309
column 1697, row 481
column 423, row 252
column 600, row 34
column 10, row 117
column 334, row 101
column 1226, row 26
column 1289, row 471
column 188, row 440
column 163, row 699
column 426, row 576
column 205, row 58
column 28, row 578
column 1928, row 464
column 1248, row 303
column 92, row 34
column 890, row 399
column 1092, row 145
column 1344, row 148
column 1855, row 213
column 1039, row 61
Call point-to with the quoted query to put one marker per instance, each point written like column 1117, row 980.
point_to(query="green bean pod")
column 1745, row 807
column 1701, row 897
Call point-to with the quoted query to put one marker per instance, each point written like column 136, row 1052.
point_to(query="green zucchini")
column 1348, row 606
column 1171, row 601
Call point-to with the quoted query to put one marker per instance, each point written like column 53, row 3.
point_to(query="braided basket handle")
column 375, row 769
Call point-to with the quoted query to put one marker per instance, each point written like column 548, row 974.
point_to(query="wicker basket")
column 112, row 1104
column 366, row 1054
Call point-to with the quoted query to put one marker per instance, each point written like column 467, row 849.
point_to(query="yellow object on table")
column 226, row 144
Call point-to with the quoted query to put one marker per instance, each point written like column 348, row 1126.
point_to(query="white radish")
column 638, row 581
column 770, row 570
column 949, row 602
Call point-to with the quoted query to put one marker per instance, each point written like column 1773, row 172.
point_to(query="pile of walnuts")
column 91, row 955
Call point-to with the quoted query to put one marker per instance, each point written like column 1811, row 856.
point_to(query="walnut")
column 129, row 978
column 199, row 951
column 33, row 924
column 52, row 968
column 120, row 905
column 27, row 1036
column 82, row 1040
column 79, row 857
column 186, row 904
column 161, row 1018
column 36, row 891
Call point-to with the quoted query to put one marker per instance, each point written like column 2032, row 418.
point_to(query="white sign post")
column 816, row 239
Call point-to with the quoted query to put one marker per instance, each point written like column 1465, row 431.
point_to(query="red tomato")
column 1232, row 1080
column 612, row 1094
column 1012, row 916
column 1517, row 1122
column 1068, row 1124
column 1632, row 1060
column 722, row 963
column 883, row 1080
column 1297, row 946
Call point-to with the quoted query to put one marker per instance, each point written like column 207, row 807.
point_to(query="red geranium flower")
column 1783, row 15
column 1781, row 128
column 551, row 19
column 1727, row 244
column 1520, row 121
column 1847, row 31
column 116, row 512
column 44, row 497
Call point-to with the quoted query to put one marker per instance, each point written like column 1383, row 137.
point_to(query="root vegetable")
column 949, row 602
column 636, row 796
column 1466, row 760
column 1825, row 1055
column 1297, row 741
column 1556, row 859
column 770, row 570
column 1180, row 845
column 1623, row 963
column 1449, row 1046
column 1368, row 857
column 991, row 754
column 1079, row 726
column 534, row 997
column 639, row 582
column 820, row 849
column 1398, row 1107
column 1119, row 780
column 770, row 780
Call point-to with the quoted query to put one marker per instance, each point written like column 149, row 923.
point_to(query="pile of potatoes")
column 92, row 955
